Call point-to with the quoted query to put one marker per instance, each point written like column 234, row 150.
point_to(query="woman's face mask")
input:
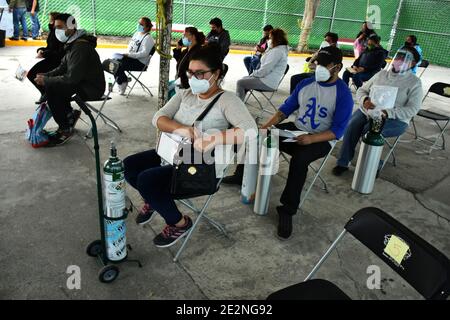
column 186, row 42
column 61, row 35
column 140, row 28
column 199, row 86
column 269, row 43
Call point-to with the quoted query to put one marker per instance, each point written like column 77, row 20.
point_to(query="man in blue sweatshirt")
column 323, row 106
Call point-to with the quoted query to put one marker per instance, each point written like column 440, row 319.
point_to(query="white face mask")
column 199, row 86
column 324, row 44
column 322, row 74
column 269, row 44
column 61, row 35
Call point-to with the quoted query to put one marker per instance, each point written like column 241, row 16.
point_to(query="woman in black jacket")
column 193, row 41
column 52, row 54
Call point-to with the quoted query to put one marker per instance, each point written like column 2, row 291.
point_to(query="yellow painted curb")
column 42, row 43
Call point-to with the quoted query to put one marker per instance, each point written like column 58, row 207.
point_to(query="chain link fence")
column 244, row 19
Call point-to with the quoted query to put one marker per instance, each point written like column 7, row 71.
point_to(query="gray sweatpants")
column 248, row 83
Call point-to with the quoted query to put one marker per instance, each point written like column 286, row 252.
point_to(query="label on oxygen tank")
column 115, row 239
column 114, row 194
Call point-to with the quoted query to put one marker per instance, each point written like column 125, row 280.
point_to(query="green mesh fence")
column 244, row 19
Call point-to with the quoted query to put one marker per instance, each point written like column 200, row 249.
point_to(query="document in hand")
column 117, row 56
column 383, row 97
column 168, row 145
column 291, row 135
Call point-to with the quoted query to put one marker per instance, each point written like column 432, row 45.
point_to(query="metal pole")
column 394, row 26
column 325, row 256
column 333, row 16
column 266, row 7
column 184, row 11
column 94, row 9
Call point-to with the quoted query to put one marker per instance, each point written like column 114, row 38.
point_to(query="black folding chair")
column 438, row 88
column 424, row 65
column 419, row 263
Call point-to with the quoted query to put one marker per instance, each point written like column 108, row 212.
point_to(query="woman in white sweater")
column 273, row 66
column 138, row 55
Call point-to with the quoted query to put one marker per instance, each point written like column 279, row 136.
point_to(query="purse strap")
column 208, row 108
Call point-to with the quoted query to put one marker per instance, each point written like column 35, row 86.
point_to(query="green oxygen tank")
column 115, row 206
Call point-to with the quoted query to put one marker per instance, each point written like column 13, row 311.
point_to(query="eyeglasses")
column 200, row 75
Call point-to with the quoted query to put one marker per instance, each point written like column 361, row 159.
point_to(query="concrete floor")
column 48, row 211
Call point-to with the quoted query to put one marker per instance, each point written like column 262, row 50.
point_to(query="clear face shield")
column 402, row 62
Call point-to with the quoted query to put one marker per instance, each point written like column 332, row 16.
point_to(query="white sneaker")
column 123, row 88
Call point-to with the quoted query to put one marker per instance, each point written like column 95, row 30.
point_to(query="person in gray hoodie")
column 407, row 103
column 80, row 72
column 272, row 69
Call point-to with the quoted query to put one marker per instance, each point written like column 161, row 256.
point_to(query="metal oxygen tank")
column 115, row 207
column 369, row 158
column 268, row 166
column 250, row 176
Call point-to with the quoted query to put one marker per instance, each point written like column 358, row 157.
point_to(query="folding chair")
column 425, row 268
column 267, row 97
column 317, row 172
column 110, row 66
column 439, row 89
column 424, row 65
column 390, row 153
column 130, row 74
column 201, row 213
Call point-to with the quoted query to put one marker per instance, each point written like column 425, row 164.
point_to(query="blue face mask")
column 140, row 28
column 186, row 42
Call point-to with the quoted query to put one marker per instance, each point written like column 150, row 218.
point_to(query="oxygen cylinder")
column 248, row 189
column 368, row 159
column 115, row 207
column 268, row 165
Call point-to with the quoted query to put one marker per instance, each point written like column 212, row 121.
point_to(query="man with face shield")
column 80, row 72
column 406, row 103
column 322, row 106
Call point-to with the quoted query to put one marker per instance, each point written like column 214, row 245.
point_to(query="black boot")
column 236, row 178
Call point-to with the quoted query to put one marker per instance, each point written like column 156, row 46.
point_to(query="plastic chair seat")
column 433, row 115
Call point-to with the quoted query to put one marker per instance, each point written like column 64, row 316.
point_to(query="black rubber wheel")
column 95, row 248
column 108, row 274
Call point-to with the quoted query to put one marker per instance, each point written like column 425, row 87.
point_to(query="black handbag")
column 193, row 179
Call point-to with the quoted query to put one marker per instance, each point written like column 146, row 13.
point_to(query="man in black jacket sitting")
column 80, row 72
column 371, row 60
column 52, row 54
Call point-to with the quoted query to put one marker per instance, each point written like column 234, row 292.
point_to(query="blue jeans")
column 19, row 16
column 252, row 63
column 358, row 78
column 359, row 125
column 35, row 25
column 143, row 171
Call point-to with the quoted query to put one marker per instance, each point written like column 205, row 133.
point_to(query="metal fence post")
column 266, row 7
column 333, row 16
column 94, row 16
column 184, row 11
column 394, row 27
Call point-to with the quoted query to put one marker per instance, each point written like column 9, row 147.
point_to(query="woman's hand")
column 40, row 54
column 188, row 132
column 368, row 104
column 204, row 143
